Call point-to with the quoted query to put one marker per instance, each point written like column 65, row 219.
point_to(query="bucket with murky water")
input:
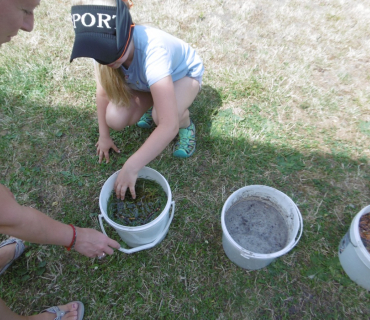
column 259, row 224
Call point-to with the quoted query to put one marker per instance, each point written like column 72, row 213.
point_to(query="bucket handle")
column 248, row 254
column 148, row 245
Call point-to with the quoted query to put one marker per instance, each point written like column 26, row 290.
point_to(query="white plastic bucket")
column 145, row 236
column 288, row 209
column 353, row 256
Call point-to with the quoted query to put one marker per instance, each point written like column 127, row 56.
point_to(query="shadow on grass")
column 48, row 161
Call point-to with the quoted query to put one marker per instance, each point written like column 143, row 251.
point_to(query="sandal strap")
column 19, row 248
column 146, row 121
column 185, row 145
column 59, row 313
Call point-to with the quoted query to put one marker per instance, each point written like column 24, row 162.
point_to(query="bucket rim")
column 147, row 225
column 247, row 253
column 355, row 237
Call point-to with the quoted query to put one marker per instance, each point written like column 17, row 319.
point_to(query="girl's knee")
column 115, row 118
column 115, row 124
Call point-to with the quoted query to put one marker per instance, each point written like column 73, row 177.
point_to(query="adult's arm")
column 32, row 225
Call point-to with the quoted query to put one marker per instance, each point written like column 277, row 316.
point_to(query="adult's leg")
column 7, row 314
column 119, row 117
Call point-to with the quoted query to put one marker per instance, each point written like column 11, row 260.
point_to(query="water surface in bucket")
column 256, row 225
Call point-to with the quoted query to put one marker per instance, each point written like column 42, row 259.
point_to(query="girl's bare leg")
column 7, row 314
column 119, row 117
column 186, row 90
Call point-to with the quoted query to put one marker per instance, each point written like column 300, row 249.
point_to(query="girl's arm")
column 164, row 98
column 105, row 142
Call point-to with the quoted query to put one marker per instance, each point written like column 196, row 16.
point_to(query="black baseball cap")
column 101, row 32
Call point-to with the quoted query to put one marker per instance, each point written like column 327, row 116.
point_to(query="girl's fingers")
column 100, row 156
column 122, row 193
column 116, row 149
column 132, row 191
column 106, row 154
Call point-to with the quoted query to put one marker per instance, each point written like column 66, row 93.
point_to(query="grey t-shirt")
column 158, row 54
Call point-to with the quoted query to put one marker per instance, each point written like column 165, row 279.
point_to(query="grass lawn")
column 284, row 103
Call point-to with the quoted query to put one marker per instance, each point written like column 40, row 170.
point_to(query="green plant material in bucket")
column 150, row 201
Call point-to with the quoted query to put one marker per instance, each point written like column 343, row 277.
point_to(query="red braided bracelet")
column 71, row 246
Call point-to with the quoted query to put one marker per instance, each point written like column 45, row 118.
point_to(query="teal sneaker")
column 185, row 145
column 146, row 121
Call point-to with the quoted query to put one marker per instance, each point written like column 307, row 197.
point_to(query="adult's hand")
column 4, row 190
column 92, row 243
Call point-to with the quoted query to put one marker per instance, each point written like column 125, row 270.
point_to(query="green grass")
column 264, row 116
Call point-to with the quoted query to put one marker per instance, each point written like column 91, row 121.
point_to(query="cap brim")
column 99, row 46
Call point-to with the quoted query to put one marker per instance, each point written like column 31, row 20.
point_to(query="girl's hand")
column 126, row 179
column 102, row 148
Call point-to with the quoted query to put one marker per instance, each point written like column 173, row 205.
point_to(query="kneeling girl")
column 144, row 76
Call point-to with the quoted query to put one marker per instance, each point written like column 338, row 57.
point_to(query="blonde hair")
column 112, row 80
column 114, row 84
